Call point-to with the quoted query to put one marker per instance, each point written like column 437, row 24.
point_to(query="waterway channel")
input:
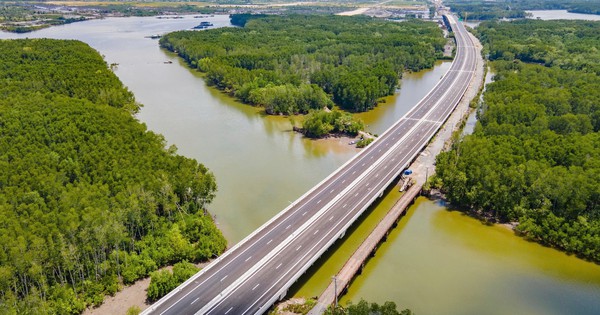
column 435, row 262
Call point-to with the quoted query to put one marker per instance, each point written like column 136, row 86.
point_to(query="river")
column 562, row 15
column 437, row 261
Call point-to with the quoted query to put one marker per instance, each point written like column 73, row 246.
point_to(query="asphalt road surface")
column 257, row 272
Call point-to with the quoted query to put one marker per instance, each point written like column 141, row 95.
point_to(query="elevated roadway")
column 258, row 271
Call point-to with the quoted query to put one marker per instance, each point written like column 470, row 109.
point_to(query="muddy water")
column 436, row 262
column 443, row 262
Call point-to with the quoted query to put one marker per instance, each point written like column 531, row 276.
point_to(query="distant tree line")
column 89, row 198
column 515, row 9
column 534, row 156
column 569, row 45
column 292, row 64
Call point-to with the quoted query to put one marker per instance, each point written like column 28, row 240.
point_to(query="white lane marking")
column 278, row 266
column 229, row 310
column 228, row 275
column 317, row 231
column 256, row 286
column 343, row 181
column 426, row 114
column 301, row 259
column 355, row 194
column 297, row 249
column 245, row 260
column 363, row 164
column 288, row 226
column 195, row 301
column 331, row 191
column 303, row 214
column 331, row 218
column 318, row 202
column 269, row 242
column 415, row 110
column 344, row 206
column 354, row 172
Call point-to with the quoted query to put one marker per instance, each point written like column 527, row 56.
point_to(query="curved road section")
column 258, row 271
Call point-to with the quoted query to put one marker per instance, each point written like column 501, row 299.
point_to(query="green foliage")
column 318, row 124
column 485, row 10
column 303, row 308
column 292, row 64
column 163, row 282
column 89, row 198
column 569, row 45
column 511, row 9
column 365, row 308
column 66, row 68
column 535, row 154
column 364, row 142
column 241, row 19
column 134, row 310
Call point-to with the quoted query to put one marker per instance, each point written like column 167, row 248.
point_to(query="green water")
column 443, row 262
column 435, row 262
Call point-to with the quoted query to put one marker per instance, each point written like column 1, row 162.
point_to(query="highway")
column 257, row 272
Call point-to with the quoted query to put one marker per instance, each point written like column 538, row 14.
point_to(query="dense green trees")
column 535, row 154
column 510, row 9
column 292, row 64
column 566, row 44
column 486, row 10
column 318, row 124
column 163, row 282
column 89, row 199
column 365, row 308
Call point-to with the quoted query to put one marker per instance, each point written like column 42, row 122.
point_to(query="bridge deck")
column 258, row 271
column 356, row 262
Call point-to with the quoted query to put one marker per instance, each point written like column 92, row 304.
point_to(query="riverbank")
column 423, row 167
column 130, row 296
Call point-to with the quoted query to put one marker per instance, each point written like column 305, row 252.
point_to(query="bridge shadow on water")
column 337, row 255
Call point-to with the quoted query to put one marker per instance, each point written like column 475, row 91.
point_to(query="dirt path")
column 133, row 295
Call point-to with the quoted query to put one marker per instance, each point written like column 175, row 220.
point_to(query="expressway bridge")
column 255, row 273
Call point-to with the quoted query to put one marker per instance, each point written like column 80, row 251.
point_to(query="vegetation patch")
column 365, row 308
column 163, row 282
column 294, row 64
column 318, row 124
column 515, row 9
column 89, row 199
column 364, row 142
column 534, row 156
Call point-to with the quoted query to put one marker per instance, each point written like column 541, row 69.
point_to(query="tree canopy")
column 318, row 124
column 535, row 154
column 511, row 9
column 365, row 308
column 292, row 64
column 89, row 198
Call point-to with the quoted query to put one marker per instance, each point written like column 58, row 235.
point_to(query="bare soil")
column 133, row 295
